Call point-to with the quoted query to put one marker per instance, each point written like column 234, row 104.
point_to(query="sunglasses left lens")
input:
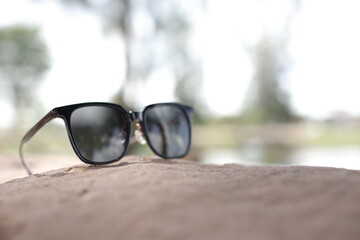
column 100, row 133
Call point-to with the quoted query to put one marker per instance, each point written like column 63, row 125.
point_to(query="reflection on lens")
column 99, row 133
column 168, row 130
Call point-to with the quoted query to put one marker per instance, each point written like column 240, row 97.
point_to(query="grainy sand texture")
column 160, row 199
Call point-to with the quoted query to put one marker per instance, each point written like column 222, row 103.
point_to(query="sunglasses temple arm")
column 47, row 118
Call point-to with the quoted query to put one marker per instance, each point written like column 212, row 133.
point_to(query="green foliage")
column 23, row 61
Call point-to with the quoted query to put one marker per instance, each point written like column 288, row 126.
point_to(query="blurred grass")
column 335, row 136
column 53, row 137
column 298, row 134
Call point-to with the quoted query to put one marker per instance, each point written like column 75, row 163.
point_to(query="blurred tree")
column 155, row 35
column 268, row 101
column 23, row 61
column 267, row 98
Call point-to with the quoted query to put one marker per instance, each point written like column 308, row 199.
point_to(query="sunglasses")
column 100, row 133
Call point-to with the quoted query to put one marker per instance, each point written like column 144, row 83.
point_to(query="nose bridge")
column 135, row 116
column 138, row 133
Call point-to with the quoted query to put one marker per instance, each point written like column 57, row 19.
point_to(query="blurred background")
column 273, row 82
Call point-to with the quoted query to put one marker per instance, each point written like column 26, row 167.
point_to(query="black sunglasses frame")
column 65, row 112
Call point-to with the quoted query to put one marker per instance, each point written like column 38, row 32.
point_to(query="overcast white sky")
column 88, row 65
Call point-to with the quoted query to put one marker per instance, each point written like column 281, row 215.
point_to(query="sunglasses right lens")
column 100, row 133
column 168, row 130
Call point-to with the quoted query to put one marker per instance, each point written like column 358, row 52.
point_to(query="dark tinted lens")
column 100, row 133
column 168, row 130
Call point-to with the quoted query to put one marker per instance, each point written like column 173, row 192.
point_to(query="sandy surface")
column 160, row 199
